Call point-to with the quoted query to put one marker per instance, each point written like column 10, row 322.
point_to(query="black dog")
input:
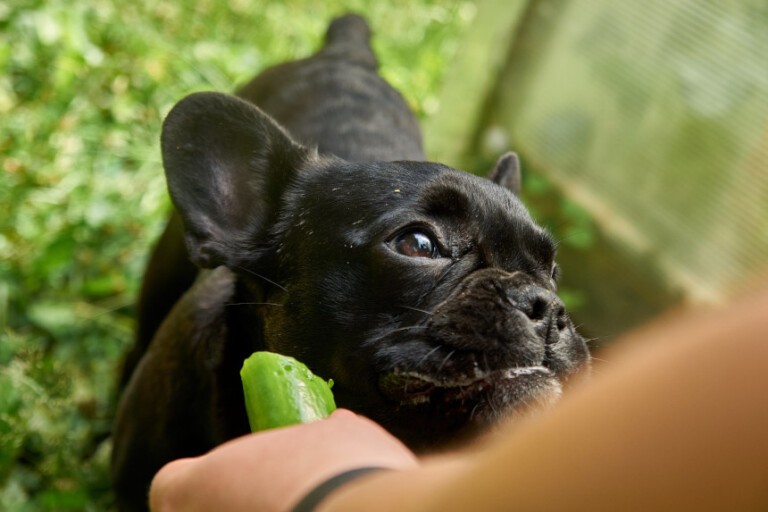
column 426, row 294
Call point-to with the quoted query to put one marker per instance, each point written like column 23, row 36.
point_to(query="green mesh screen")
column 655, row 115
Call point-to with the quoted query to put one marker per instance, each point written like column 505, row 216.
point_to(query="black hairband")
column 318, row 494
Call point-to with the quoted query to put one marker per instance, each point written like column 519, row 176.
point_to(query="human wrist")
column 404, row 489
column 311, row 500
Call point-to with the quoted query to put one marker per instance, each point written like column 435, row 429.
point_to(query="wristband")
column 319, row 493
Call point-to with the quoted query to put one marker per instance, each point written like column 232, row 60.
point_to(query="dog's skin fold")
column 426, row 294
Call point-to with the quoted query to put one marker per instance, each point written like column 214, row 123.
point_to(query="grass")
column 83, row 90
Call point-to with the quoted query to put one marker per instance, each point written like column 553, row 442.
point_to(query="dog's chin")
column 452, row 409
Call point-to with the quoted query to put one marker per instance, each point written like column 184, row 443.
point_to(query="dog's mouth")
column 501, row 388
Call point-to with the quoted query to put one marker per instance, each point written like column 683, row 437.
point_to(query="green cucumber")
column 281, row 391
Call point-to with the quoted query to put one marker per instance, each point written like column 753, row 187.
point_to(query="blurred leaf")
column 71, row 499
column 52, row 316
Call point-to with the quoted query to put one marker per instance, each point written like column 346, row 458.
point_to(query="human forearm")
column 677, row 422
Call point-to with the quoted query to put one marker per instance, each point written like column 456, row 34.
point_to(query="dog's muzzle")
column 499, row 336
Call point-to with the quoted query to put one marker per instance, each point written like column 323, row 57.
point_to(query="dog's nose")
column 545, row 310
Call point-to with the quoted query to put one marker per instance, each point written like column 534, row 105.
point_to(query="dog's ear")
column 227, row 164
column 506, row 172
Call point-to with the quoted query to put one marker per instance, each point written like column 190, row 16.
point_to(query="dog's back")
column 335, row 100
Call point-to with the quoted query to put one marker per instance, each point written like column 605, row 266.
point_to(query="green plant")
column 83, row 90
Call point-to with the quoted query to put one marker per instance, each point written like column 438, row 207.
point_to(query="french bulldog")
column 426, row 293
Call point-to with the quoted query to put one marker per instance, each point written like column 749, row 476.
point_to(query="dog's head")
column 426, row 293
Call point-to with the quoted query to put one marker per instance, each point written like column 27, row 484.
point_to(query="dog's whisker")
column 426, row 356
column 399, row 329
column 592, row 340
column 474, row 409
column 411, row 327
column 495, row 408
column 262, row 277
column 600, row 360
column 450, row 354
column 378, row 338
column 430, row 313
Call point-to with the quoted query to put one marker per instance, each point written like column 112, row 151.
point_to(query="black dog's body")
column 426, row 294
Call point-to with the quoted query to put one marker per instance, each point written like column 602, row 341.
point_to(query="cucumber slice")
column 281, row 391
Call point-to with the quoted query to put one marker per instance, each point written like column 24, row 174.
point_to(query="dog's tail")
column 349, row 38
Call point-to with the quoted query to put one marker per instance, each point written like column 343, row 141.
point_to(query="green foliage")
column 83, row 89
column 571, row 226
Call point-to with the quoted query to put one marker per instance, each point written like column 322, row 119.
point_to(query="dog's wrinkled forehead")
column 493, row 216
column 371, row 201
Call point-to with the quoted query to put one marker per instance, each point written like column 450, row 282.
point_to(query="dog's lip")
column 413, row 387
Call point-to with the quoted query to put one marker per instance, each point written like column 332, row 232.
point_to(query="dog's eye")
column 416, row 245
column 555, row 273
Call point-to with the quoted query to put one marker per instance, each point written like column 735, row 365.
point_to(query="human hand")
column 270, row 471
